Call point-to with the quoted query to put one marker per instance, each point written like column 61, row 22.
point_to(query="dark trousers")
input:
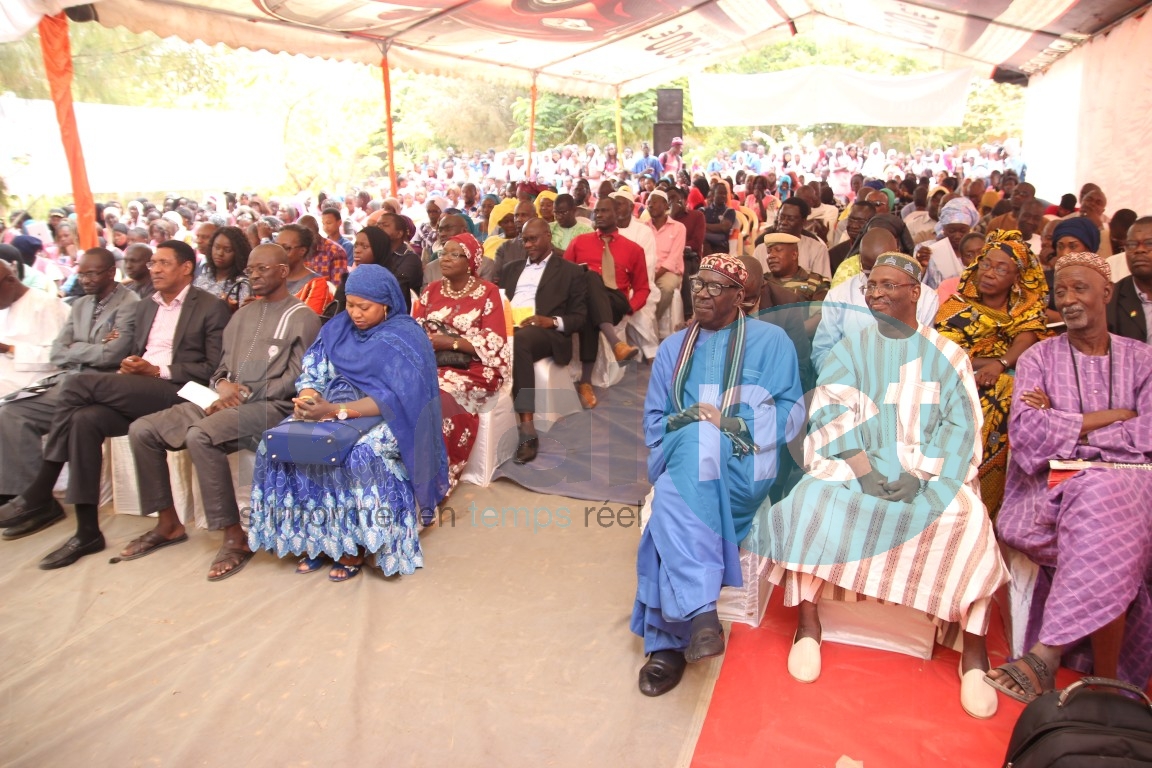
column 209, row 440
column 92, row 407
column 22, row 424
column 605, row 305
column 529, row 345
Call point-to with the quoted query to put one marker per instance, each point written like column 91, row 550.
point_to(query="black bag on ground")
column 1089, row 723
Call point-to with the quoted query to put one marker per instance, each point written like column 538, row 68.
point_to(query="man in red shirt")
column 621, row 291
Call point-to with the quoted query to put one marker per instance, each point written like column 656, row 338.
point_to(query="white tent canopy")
column 597, row 47
column 938, row 99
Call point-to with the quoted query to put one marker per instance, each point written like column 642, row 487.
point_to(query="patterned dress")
column 368, row 502
column 478, row 317
column 989, row 333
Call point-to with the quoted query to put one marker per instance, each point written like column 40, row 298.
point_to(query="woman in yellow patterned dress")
column 996, row 313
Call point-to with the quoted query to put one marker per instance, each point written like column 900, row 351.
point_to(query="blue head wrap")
column 28, row 246
column 1078, row 227
column 393, row 363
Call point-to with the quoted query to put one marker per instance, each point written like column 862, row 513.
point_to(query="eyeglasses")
column 153, row 264
column 446, row 255
column 1131, row 245
column 261, row 269
column 93, row 274
column 884, row 288
column 1001, row 269
column 696, row 285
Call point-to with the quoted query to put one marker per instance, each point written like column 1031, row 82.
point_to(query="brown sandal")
column 1045, row 678
column 236, row 558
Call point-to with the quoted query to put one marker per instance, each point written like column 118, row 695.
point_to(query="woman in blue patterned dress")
column 372, row 359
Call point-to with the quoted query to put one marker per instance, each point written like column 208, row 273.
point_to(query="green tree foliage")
column 569, row 119
column 115, row 66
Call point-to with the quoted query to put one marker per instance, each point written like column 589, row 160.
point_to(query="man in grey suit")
column 95, row 338
column 178, row 339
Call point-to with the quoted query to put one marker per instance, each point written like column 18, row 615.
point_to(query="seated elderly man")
column 838, row 319
column 1086, row 395
column 264, row 346
column 889, row 507
column 550, row 296
column 721, row 402
column 95, row 338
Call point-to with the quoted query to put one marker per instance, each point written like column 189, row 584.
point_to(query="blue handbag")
column 317, row 442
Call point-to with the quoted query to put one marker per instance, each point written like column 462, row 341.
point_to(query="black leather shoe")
column 73, row 550
column 17, row 511
column 44, row 518
column 662, row 672
column 527, row 450
column 706, row 642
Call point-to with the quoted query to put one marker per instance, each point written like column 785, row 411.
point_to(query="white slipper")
column 977, row 697
column 804, row 660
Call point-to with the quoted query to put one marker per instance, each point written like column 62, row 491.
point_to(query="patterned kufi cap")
column 900, row 262
column 1090, row 260
column 731, row 268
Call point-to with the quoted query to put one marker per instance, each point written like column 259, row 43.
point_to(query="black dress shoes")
column 527, row 450
column 42, row 518
column 662, row 672
column 16, row 512
column 73, row 550
column 706, row 642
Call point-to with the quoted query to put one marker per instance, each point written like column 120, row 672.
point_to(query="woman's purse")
column 449, row 358
column 317, row 442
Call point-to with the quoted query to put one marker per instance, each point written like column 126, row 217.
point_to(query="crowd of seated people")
column 933, row 335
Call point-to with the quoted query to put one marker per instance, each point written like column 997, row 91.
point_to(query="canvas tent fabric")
column 1094, row 107
column 597, row 47
column 938, row 99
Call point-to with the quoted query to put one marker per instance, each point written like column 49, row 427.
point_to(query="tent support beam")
column 394, row 185
column 619, row 122
column 56, row 50
column 531, row 127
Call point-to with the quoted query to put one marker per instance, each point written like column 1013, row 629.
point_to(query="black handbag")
column 449, row 358
column 1088, row 723
column 317, row 442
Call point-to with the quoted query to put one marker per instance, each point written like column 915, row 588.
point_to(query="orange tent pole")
column 531, row 128
column 394, row 189
column 57, row 53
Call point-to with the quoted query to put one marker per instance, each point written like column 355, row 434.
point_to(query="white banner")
column 813, row 95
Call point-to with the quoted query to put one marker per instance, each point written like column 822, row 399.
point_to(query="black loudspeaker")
column 1001, row 75
column 669, row 105
column 662, row 135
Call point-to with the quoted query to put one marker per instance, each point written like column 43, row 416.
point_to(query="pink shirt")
column 670, row 245
column 161, row 337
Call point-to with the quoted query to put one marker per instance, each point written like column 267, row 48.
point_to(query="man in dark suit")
column 96, row 337
column 556, row 291
column 1130, row 309
column 178, row 339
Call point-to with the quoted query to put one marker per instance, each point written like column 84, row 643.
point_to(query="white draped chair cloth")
column 745, row 604
column 185, row 485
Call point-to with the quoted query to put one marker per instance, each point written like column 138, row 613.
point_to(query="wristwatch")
column 342, row 414
column 1004, row 362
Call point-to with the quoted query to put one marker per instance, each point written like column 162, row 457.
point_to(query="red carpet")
column 885, row 710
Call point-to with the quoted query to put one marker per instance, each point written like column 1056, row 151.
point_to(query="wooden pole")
column 394, row 185
column 619, row 126
column 531, row 128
